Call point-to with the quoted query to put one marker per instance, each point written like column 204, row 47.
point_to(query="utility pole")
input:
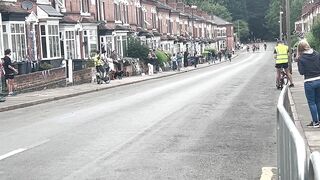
column 288, row 32
column 239, row 30
column 280, row 24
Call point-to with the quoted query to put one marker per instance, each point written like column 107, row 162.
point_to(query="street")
column 213, row 123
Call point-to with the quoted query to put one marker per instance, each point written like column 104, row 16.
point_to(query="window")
column 50, row 41
column 125, row 14
column 124, row 46
column 154, row 20
column 85, row 6
column 160, row 26
column 117, row 12
column 89, row 42
column 14, row 38
column 168, row 25
column 70, row 45
column 104, row 17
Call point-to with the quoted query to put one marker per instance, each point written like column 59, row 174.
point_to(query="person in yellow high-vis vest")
column 282, row 61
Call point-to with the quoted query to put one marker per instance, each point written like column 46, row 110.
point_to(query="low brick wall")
column 41, row 80
column 82, row 76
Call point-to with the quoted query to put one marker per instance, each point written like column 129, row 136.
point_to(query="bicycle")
column 283, row 79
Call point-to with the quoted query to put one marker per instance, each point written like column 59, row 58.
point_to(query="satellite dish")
column 27, row 5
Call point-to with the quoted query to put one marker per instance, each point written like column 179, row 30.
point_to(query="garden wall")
column 41, row 80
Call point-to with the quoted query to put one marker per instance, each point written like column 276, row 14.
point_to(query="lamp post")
column 280, row 23
column 193, row 36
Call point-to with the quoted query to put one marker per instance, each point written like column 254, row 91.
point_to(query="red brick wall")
column 41, row 80
column 82, row 76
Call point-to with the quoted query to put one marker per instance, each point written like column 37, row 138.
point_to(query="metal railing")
column 314, row 166
column 292, row 156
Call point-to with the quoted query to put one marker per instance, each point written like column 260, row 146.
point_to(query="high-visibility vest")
column 97, row 60
column 282, row 54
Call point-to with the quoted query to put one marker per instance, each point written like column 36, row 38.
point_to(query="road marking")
column 12, row 153
column 17, row 151
column 267, row 173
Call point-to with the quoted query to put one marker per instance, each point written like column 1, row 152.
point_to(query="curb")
column 37, row 102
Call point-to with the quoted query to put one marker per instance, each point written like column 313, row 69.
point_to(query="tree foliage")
column 243, row 29
column 273, row 17
column 136, row 49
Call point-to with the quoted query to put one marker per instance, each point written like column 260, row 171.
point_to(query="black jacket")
column 309, row 65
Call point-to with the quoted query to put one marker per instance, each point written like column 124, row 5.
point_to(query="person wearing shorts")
column 282, row 59
column 9, row 71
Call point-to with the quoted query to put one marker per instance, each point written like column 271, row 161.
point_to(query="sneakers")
column 315, row 125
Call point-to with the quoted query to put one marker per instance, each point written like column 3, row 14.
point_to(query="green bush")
column 45, row 66
column 313, row 41
column 162, row 57
column 137, row 50
column 313, row 36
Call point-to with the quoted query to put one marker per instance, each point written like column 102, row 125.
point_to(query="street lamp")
column 193, row 36
column 281, row 25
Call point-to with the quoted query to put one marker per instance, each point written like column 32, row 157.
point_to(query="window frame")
column 92, row 40
column 52, row 41
column 22, row 48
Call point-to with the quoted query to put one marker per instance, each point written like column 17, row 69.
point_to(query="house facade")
column 310, row 14
column 57, row 30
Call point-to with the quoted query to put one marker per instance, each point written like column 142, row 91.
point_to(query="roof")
column 50, row 10
column 220, row 21
column 75, row 18
column 12, row 8
column 167, row 7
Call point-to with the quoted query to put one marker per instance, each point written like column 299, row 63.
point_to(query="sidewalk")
column 48, row 95
column 302, row 114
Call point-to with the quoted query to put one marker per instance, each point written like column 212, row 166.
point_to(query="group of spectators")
column 185, row 59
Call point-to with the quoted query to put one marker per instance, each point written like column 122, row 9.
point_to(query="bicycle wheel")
column 285, row 80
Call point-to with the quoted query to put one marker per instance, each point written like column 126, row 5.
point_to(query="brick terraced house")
column 57, row 30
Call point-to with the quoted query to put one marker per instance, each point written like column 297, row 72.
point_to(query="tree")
column 136, row 49
column 273, row 17
column 243, row 29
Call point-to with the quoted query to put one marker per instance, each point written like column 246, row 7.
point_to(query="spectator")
column 2, row 73
column 185, row 58
column 9, row 72
column 309, row 66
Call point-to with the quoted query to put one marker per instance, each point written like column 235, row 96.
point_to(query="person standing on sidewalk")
column 9, row 71
column 1, row 81
column 309, row 66
column 185, row 58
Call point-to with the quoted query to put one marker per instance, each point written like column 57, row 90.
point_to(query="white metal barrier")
column 292, row 156
column 314, row 166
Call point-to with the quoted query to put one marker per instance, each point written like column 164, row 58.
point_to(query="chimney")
column 172, row 3
column 187, row 9
column 180, row 5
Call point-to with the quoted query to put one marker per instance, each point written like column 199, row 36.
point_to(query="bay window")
column 14, row 38
column 70, row 45
column 90, row 42
column 50, row 41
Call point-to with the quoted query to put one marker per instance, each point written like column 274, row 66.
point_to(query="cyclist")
column 98, row 62
column 282, row 58
column 265, row 46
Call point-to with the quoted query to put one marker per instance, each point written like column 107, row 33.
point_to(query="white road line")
column 12, row 153
column 17, row 151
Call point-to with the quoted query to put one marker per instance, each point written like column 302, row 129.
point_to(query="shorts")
column 283, row 65
column 9, row 76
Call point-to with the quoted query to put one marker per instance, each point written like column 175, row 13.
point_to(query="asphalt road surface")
column 214, row 123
